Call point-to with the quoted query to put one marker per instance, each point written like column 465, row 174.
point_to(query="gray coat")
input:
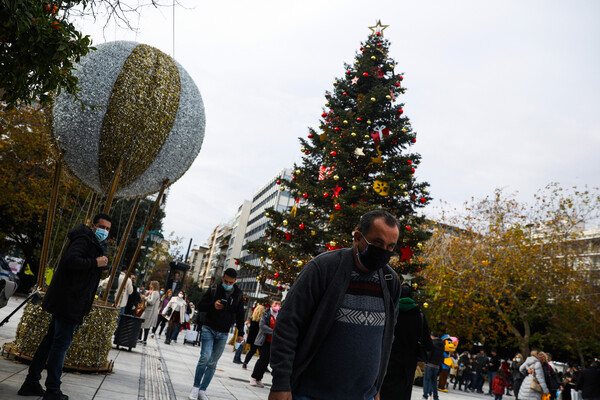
column 308, row 313
column 525, row 392
column 150, row 314
column 264, row 328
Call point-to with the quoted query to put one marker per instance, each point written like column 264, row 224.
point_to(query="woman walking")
column 263, row 340
column 532, row 367
column 252, row 332
column 150, row 314
column 161, row 320
column 174, row 313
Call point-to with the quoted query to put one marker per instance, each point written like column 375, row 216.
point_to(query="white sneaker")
column 259, row 384
column 202, row 395
column 253, row 382
column 194, row 393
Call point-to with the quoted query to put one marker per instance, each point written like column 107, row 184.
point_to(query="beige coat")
column 150, row 314
column 177, row 304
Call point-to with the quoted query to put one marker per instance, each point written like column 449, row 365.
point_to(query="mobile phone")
column 223, row 301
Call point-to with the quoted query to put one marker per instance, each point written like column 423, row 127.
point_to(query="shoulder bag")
column 535, row 384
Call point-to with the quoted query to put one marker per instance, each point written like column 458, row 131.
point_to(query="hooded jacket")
column 221, row 320
column 71, row 293
column 308, row 313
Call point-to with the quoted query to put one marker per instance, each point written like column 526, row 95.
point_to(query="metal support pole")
column 49, row 222
column 113, row 187
column 143, row 237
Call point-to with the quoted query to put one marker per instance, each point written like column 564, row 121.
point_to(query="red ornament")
column 293, row 178
column 359, row 119
column 345, row 93
column 419, row 269
column 398, row 84
column 361, row 47
column 333, row 153
column 348, row 72
column 288, row 236
column 414, row 140
column 280, row 288
column 412, row 170
column 336, row 129
column 337, row 206
column 278, row 182
column 406, row 253
column 324, row 115
column 423, row 200
column 237, row 262
column 307, row 152
column 336, row 190
column 311, row 135
column 301, row 226
column 400, row 111
column 378, row 33
column 276, row 275
column 408, row 162
column 365, row 74
column 305, row 195
column 400, row 77
column 325, row 194
column 378, row 44
column 408, row 228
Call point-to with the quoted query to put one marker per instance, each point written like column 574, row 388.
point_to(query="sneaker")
column 194, row 393
column 202, row 395
column 144, row 342
column 244, row 365
column 237, row 362
column 259, row 384
column 31, row 389
column 253, row 382
column 55, row 396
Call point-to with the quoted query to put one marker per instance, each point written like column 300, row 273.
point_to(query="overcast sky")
column 502, row 94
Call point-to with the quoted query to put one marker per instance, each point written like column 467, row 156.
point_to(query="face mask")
column 276, row 308
column 373, row 257
column 162, row 292
column 518, row 359
column 228, row 288
column 181, row 296
column 101, row 234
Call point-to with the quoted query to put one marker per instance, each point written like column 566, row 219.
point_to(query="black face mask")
column 374, row 257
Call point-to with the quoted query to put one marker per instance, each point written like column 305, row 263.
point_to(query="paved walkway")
column 155, row 372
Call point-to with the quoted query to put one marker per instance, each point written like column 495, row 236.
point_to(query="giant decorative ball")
column 142, row 109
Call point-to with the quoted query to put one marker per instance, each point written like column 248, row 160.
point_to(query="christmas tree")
column 357, row 161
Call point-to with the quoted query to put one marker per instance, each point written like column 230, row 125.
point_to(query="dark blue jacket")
column 71, row 293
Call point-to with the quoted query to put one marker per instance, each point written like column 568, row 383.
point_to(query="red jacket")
column 498, row 385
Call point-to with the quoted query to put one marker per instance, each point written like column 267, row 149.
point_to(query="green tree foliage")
column 357, row 161
column 517, row 275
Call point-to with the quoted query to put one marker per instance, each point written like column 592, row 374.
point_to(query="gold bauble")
column 311, row 213
column 267, row 214
column 373, row 58
column 414, row 285
column 367, row 136
column 285, row 222
column 419, row 245
column 302, row 149
column 373, row 99
column 262, row 259
column 297, row 172
column 425, row 305
column 402, row 186
column 327, row 104
column 258, row 278
column 405, row 194
column 368, row 46
column 313, row 233
column 274, row 282
column 335, row 83
column 369, row 122
column 282, row 188
column 353, row 134
column 353, row 187
column 345, row 121
column 332, row 243
column 391, row 65
column 300, row 263
column 404, row 130
column 270, row 249
column 388, row 97
column 336, row 178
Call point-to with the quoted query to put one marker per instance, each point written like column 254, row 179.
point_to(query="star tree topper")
column 378, row 28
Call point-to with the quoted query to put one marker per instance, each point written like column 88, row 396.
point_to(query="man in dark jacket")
column 435, row 358
column 410, row 336
column 334, row 333
column 224, row 306
column 68, row 299
column 493, row 367
column 589, row 382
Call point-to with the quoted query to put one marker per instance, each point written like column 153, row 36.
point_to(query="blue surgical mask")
column 228, row 288
column 101, row 234
column 162, row 292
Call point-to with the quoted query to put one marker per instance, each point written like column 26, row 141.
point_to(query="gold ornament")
column 368, row 46
column 270, row 249
column 262, row 259
column 313, row 233
column 425, row 305
column 381, row 188
column 300, row 263
column 414, row 285
column 267, row 214
column 335, row 83
column 274, row 282
column 368, row 122
column 373, row 58
column 373, row 99
column 297, row 172
column 282, row 188
column 419, row 245
column 391, row 65
column 285, row 222
column 402, row 186
column 336, row 178
column 311, row 213
column 326, row 105
column 353, row 187
column 302, row 149
column 388, row 97
column 353, row 134
column 332, row 243
column 405, row 193
column 345, row 121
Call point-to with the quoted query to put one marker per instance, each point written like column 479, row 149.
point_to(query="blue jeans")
column 53, row 349
column 213, row 344
column 300, row 397
column 430, row 382
column 491, row 376
column 238, row 352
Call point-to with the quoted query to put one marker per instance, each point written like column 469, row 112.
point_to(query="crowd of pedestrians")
column 347, row 329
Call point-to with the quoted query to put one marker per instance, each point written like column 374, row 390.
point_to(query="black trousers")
column 263, row 361
column 398, row 381
column 250, row 353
